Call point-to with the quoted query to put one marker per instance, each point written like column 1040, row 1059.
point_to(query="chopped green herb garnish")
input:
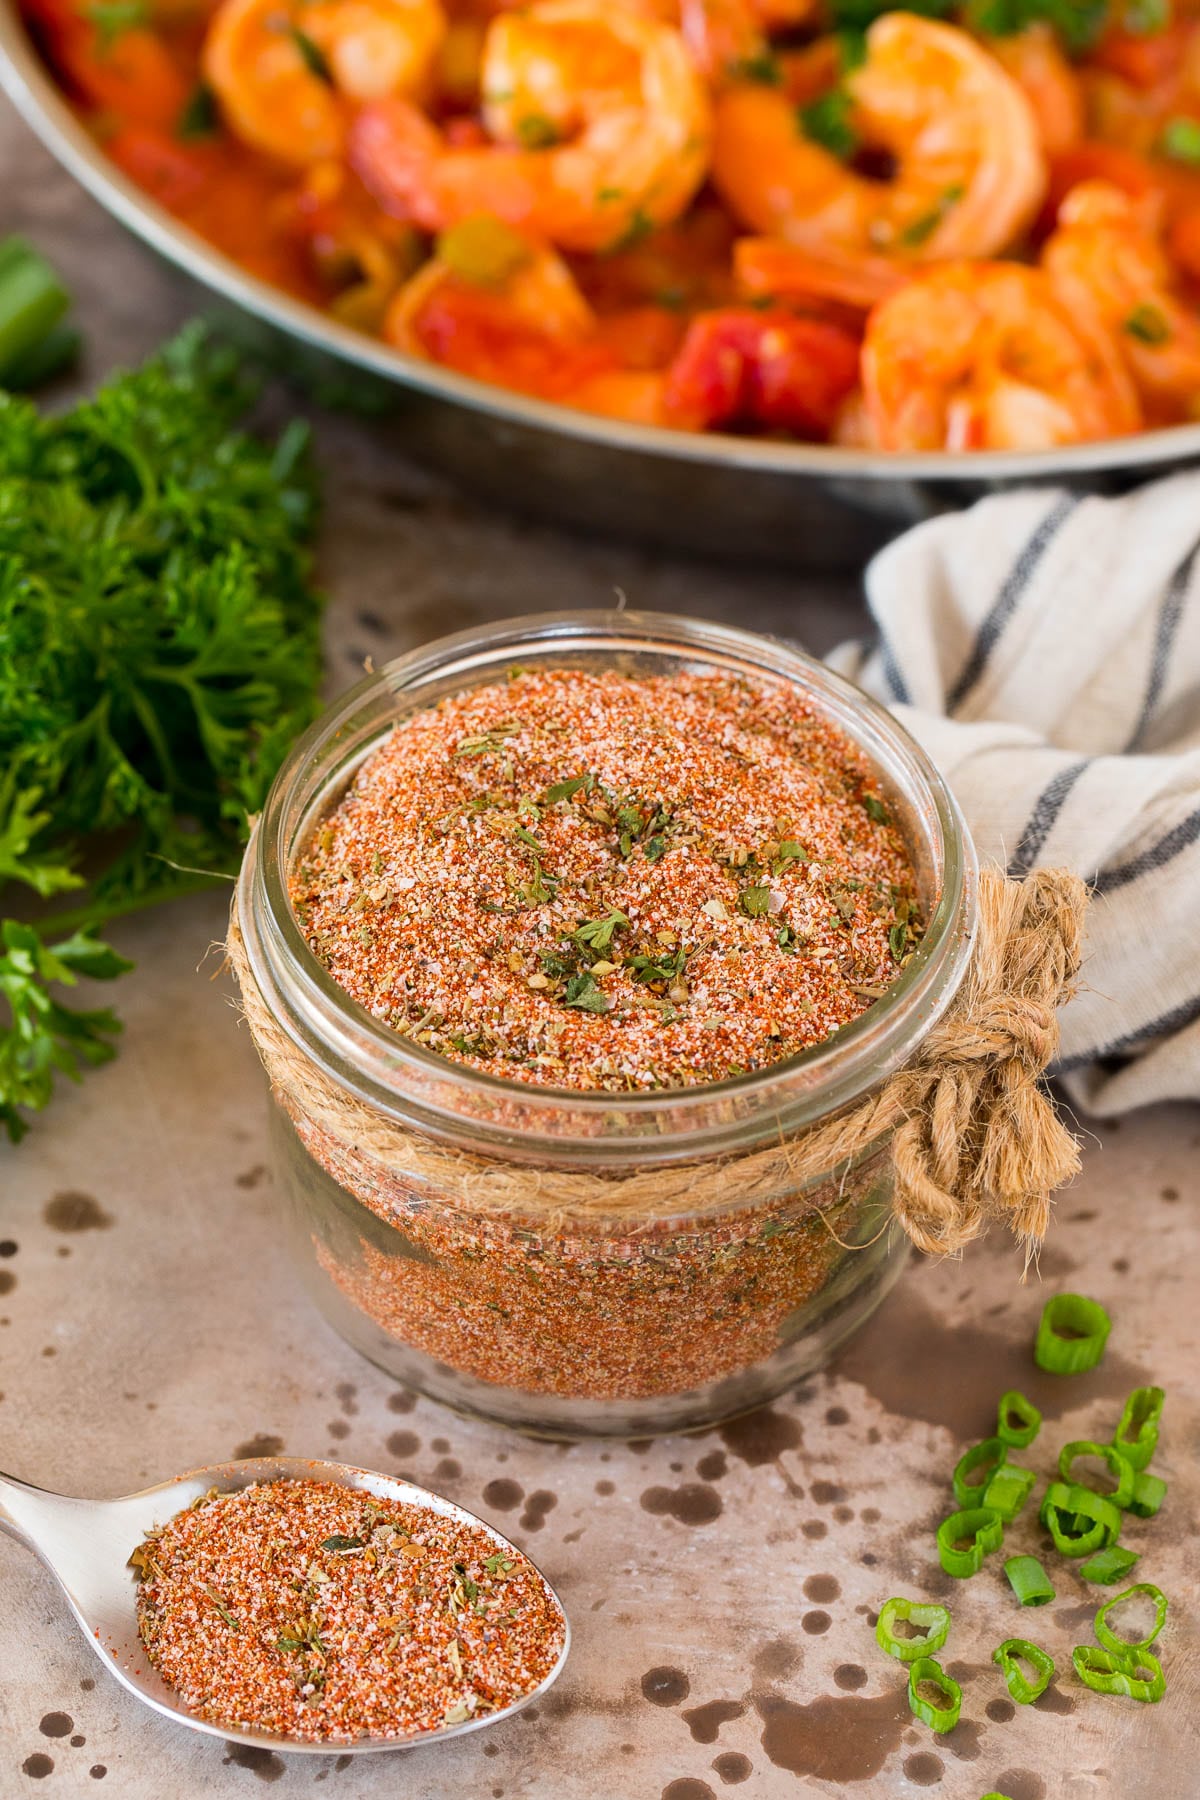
column 755, row 901
column 535, row 132
column 827, row 122
column 921, row 229
column 112, row 18
column 527, row 837
column 1147, row 324
column 200, row 117
column 340, row 1543
column 311, row 54
column 1180, row 141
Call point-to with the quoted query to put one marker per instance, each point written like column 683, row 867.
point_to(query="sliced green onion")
column 1010, row 1655
column 1071, row 1334
column 1028, row 1580
column 1018, row 1420
column 935, row 1619
column 1008, row 1489
column 43, row 360
column 1111, row 1639
column 987, row 1456
column 1138, row 1674
column 938, row 1718
column 1119, row 1467
column 1136, row 1437
column 1110, row 1564
column 32, row 301
column 965, row 1538
column 1149, row 1492
column 1079, row 1520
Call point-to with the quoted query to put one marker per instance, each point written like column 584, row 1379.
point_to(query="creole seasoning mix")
column 602, row 881
column 326, row 1613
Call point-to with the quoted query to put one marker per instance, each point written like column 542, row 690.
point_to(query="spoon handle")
column 19, row 1505
column 42, row 1520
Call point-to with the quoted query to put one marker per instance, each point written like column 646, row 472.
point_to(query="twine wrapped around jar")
column 974, row 1136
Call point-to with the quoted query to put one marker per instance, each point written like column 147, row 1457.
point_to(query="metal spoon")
column 86, row 1545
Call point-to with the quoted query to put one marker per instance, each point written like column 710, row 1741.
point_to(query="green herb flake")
column 597, row 934
column 343, row 1544
column 876, row 810
column 827, row 121
column 311, row 55
column 1180, row 140
column 535, row 132
column 112, row 18
column 898, row 941
column 1148, row 325
column 565, row 790
column 200, row 117
column 761, row 66
column 921, row 229
column 755, row 901
column 527, row 837
column 583, row 992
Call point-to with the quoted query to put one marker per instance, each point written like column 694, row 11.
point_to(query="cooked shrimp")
column 969, row 169
column 1036, row 61
column 732, row 37
column 502, row 308
column 988, row 356
column 771, row 268
column 287, row 71
column 1105, row 255
column 600, row 124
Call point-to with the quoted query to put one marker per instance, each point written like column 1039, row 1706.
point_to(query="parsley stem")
column 101, row 912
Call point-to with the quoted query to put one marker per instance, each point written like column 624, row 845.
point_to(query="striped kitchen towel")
column 1045, row 649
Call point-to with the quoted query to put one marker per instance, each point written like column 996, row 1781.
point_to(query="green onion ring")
column 1130, row 1646
column 988, row 1456
column 1007, row 1490
column 1110, row 1564
column 935, row 1618
column 1009, row 1655
column 984, row 1527
column 938, row 1718
column 1149, row 1492
column 1063, row 1507
column 1137, row 1435
column 1108, row 1673
column 1018, row 1420
column 1119, row 1467
column 1029, row 1581
column 1088, row 1325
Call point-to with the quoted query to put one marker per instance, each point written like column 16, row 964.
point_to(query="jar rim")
column 418, row 1088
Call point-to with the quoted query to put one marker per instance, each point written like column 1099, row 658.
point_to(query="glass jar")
column 585, row 1263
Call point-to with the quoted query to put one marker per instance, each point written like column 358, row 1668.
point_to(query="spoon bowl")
column 86, row 1545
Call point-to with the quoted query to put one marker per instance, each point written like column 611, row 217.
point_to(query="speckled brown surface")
column 720, row 1587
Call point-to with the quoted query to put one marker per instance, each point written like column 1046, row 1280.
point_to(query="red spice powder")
column 325, row 1613
column 605, row 881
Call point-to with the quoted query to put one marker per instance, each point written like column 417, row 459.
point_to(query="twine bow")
column 979, row 1135
column 972, row 1132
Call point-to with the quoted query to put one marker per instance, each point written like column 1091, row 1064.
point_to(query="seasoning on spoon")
column 326, row 1613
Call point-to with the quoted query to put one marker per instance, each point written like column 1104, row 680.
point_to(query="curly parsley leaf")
column 159, row 651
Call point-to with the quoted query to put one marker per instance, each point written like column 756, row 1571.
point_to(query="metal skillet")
column 750, row 499
column 86, row 1545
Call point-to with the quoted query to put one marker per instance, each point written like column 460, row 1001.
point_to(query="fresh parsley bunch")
column 159, row 650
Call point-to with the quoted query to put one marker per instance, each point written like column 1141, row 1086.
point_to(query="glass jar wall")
column 583, row 1262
